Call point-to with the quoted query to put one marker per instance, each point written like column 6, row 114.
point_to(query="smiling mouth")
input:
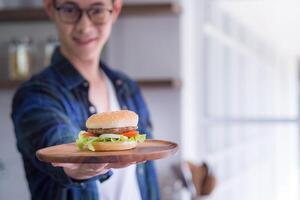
column 84, row 41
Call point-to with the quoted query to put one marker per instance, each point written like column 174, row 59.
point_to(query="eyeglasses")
column 70, row 13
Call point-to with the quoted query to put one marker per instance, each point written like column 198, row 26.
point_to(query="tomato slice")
column 88, row 135
column 130, row 133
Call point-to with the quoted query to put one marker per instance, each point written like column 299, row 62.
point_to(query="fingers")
column 92, row 169
column 82, row 171
column 80, row 165
column 95, row 168
column 141, row 162
column 65, row 165
column 89, row 169
column 121, row 164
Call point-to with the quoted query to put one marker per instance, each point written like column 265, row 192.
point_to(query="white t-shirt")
column 122, row 185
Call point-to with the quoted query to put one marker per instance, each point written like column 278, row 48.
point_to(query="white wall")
column 249, row 110
column 279, row 19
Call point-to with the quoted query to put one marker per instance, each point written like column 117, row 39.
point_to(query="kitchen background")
column 220, row 77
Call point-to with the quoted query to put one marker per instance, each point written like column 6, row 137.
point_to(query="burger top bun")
column 115, row 119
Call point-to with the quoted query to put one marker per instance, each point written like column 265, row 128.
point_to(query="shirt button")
column 82, row 185
column 85, row 84
column 119, row 82
column 92, row 109
column 140, row 171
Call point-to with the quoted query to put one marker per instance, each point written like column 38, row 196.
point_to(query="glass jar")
column 50, row 46
column 20, row 58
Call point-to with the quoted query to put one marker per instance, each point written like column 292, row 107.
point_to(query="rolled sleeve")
column 40, row 121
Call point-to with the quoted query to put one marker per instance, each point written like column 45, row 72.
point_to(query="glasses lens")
column 99, row 15
column 69, row 13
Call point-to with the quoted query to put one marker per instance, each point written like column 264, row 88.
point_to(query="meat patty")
column 111, row 130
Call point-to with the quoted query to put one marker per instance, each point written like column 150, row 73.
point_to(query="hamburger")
column 110, row 131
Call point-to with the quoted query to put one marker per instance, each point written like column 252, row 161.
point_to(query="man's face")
column 83, row 39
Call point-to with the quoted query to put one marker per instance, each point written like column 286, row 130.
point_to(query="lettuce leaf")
column 84, row 142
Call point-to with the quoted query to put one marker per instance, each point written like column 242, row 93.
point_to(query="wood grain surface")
column 69, row 153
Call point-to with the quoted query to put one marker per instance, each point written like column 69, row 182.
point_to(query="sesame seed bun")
column 115, row 119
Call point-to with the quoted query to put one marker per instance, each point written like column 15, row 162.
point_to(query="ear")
column 117, row 7
column 48, row 5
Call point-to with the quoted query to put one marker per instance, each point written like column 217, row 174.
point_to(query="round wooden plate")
column 69, row 153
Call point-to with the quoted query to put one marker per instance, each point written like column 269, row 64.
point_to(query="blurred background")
column 221, row 78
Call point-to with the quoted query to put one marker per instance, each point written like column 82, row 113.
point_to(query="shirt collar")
column 71, row 78
column 68, row 74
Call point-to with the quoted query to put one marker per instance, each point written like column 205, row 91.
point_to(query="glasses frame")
column 81, row 12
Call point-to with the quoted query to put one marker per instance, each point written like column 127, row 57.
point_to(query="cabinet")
column 28, row 14
column 28, row 18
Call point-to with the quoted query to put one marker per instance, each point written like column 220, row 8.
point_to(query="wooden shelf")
column 144, row 83
column 27, row 14
column 8, row 85
column 159, row 83
column 151, row 9
column 23, row 15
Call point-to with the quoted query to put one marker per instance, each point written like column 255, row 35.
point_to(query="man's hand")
column 83, row 171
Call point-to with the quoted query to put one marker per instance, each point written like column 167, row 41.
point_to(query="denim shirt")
column 50, row 109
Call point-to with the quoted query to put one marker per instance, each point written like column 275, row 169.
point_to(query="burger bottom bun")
column 114, row 146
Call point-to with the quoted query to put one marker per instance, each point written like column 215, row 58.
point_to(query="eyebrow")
column 93, row 4
column 97, row 4
column 67, row 2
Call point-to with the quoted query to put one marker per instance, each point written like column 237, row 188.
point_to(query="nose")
column 84, row 24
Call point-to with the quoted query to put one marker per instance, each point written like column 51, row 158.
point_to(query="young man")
column 52, row 107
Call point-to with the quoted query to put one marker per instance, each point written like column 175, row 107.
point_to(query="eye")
column 96, row 10
column 68, row 9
